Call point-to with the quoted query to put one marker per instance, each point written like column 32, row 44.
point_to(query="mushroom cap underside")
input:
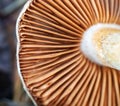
column 51, row 64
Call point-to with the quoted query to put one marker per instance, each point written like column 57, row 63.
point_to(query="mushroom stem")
column 101, row 44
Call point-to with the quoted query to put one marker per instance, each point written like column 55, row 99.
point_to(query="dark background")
column 11, row 90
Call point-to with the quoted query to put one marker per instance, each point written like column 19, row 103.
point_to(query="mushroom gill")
column 64, row 57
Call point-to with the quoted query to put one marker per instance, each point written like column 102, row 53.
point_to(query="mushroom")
column 68, row 52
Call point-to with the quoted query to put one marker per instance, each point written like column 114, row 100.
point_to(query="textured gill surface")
column 52, row 65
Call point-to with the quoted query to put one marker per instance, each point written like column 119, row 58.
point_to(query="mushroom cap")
column 52, row 67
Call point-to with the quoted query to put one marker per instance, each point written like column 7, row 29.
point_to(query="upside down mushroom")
column 68, row 52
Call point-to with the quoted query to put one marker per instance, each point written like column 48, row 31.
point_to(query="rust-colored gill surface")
column 52, row 65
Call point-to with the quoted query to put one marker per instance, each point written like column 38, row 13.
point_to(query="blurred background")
column 11, row 90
